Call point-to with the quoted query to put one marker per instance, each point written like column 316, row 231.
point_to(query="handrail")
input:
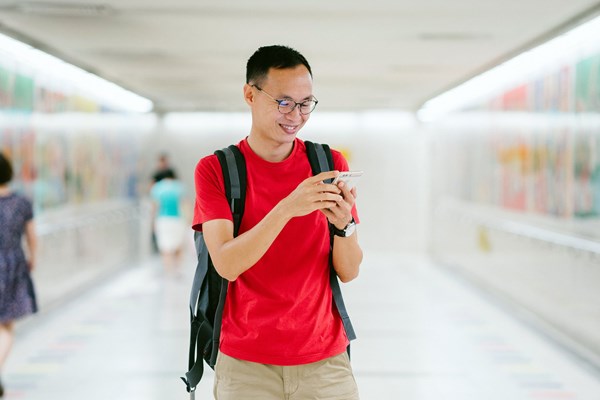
column 114, row 214
column 522, row 229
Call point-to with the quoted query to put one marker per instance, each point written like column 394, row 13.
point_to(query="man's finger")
column 324, row 175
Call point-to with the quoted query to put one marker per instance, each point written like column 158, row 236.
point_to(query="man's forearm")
column 347, row 256
column 237, row 255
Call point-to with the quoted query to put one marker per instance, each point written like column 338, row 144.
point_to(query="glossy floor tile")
column 423, row 334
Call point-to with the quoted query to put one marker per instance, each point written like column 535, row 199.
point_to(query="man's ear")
column 248, row 94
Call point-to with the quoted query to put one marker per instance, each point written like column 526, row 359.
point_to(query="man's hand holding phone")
column 350, row 178
column 341, row 214
column 334, row 199
column 312, row 194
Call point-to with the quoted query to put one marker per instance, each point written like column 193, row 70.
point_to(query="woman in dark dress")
column 17, row 298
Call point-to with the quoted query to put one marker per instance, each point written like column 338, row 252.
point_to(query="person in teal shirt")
column 168, row 197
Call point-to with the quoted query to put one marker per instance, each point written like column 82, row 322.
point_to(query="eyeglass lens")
column 287, row 106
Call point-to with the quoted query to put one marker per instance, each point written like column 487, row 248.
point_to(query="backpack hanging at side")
column 209, row 289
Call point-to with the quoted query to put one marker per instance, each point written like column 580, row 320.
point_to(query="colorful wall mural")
column 69, row 166
column 67, row 163
column 540, row 151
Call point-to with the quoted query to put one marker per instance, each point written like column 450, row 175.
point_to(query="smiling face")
column 272, row 131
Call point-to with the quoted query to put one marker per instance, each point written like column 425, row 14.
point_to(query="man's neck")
column 4, row 190
column 270, row 151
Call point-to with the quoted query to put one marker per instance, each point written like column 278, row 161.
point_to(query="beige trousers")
column 329, row 379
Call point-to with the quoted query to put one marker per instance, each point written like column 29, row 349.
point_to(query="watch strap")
column 341, row 232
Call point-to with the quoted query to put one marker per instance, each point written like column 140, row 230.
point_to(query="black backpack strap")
column 233, row 167
column 200, row 332
column 320, row 159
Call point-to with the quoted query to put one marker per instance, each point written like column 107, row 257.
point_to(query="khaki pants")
column 329, row 379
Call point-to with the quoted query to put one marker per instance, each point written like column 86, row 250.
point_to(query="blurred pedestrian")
column 168, row 196
column 17, row 296
column 163, row 168
column 281, row 336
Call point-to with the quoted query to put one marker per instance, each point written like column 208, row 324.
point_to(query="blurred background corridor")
column 477, row 126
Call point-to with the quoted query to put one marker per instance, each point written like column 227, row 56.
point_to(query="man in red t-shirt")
column 281, row 337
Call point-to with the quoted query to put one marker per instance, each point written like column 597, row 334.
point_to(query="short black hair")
column 275, row 56
column 164, row 173
column 6, row 171
column 169, row 173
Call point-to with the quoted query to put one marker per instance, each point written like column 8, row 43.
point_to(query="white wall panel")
column 392, row 196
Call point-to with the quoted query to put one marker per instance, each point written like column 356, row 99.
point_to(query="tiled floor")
column 423, row 335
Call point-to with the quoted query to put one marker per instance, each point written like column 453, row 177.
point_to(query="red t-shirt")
column 280, row 311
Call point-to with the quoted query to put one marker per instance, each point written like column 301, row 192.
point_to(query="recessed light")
column 64, row 9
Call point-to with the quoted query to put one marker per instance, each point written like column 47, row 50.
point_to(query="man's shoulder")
column 333, row 151
column 207, row 161
column 339, row 160
column 208, row 169
column 211, row 161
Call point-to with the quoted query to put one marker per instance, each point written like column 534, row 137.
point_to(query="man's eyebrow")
column 286, row 97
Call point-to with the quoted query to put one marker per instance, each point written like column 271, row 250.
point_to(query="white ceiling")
column 380, row 54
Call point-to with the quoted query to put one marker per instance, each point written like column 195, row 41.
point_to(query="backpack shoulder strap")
column 233, row 166
column 320, row 159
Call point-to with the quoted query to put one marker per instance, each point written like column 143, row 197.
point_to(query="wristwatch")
column 347, row 231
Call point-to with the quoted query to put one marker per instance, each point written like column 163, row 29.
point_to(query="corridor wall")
column 516, row 198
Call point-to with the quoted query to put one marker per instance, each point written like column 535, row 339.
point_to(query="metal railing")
column 484, row 218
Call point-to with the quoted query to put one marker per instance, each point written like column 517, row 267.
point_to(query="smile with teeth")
column 288, row 128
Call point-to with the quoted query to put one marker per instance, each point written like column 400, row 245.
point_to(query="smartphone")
column 350, row 178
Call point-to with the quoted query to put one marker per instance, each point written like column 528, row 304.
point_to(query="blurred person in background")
column 17, row 297
column 170, row 227
column 163, row 168
column 281, row 335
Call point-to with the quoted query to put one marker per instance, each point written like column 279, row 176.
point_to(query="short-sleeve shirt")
column 168, row 193
column 280, row 311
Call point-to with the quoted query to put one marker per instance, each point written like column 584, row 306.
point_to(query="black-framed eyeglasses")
column 286, row 106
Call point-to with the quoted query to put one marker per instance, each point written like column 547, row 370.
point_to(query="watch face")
column 349, row 229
